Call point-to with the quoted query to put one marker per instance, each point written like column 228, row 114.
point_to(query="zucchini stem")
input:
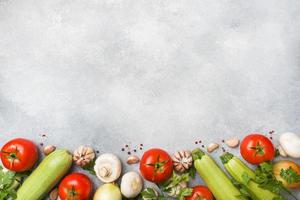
column 226, row 157
column 197, row 154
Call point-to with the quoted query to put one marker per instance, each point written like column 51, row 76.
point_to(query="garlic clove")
column 48, row 149
column 53, row 194
column 133, row 160
column 232, row 143
column 212, row 147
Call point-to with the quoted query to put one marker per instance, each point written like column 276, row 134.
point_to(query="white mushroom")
column 290, row 143
column 131, row 184
column 281, row 151
column 108, row 167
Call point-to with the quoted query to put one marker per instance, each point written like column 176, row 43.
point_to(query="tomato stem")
column 158, row 166
column 259, row 149
column 72, row 193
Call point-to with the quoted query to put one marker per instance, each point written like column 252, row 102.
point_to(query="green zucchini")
column 215, row 179
column 245, row 176
column 45, row 176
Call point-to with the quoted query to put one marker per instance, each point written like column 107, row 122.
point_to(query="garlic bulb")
column 83, row 156
column 182, row 160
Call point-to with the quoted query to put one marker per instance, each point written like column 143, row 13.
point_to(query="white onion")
column 108, row 191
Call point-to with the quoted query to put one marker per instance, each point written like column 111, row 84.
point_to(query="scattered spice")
column 129, row 150
column 223, row 149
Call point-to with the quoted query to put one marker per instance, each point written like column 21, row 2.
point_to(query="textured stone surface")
column 162, row 73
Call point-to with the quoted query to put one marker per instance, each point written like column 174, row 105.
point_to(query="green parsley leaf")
column 90, row 167
column 174, row 181
column 290, row 175
column 6, row 181
column 185, row 192
column 266, row 179
column 151, row 194
column 192, row 172
column 243, row 189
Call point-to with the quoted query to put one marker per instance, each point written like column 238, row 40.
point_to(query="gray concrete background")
column 162, row 73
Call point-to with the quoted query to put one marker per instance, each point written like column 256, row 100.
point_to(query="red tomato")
column 256, row 148
column 200, row 192
column 19, row 155
column 75, row 186
column 156, row 165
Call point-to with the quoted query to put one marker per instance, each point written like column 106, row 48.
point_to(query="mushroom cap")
column 290, row 142
column 108, row 167
column 131, row 184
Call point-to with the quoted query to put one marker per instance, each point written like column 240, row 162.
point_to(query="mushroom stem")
column 104, row 172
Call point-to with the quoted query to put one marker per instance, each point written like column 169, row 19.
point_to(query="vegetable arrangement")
column 214, row 177
column 170, row 175
column 245, row 176
column 45, row 176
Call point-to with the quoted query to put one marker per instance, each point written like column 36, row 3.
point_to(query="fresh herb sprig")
column 290, row 175
column 6, row 182
column 184, row 192
column 150, row 193
column 243, row 189
column 90, row 167
column 174, row 181
column 266, row 179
